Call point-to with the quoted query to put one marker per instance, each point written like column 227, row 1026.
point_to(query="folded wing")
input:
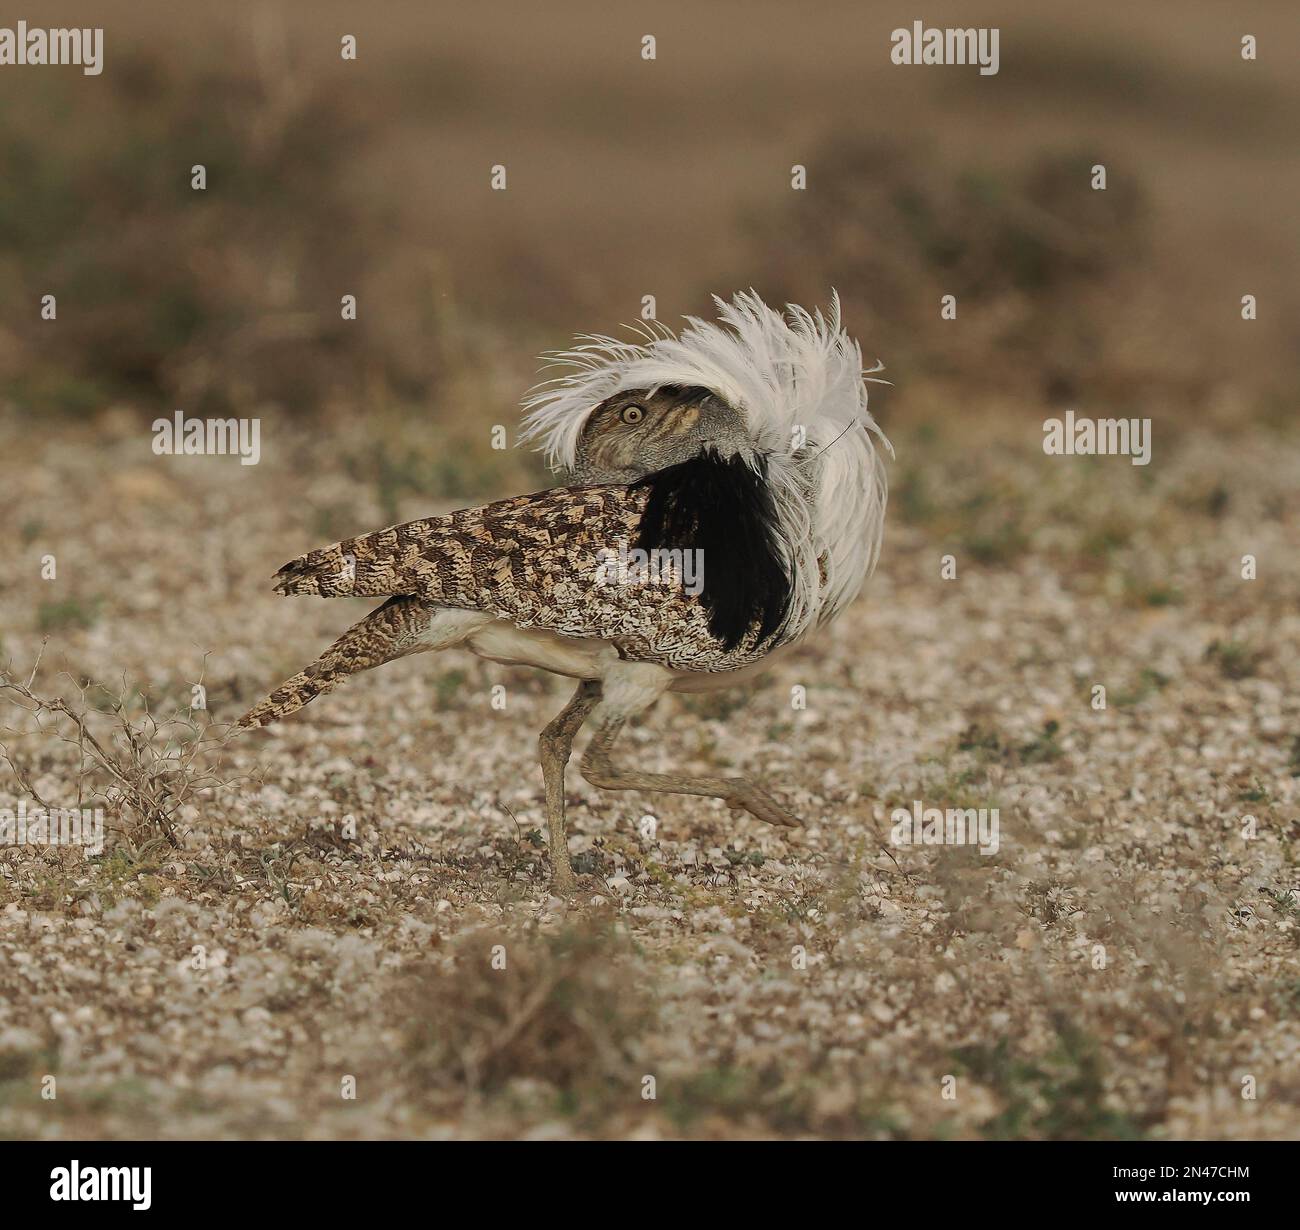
column 540, row 561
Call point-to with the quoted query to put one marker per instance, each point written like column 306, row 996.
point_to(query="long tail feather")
column 391, row 631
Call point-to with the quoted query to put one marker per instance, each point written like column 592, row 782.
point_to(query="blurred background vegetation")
column 629, row 178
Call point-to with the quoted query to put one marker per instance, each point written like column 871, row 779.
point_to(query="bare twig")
column 139, row 765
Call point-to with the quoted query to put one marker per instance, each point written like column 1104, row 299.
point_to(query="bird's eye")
column 632, row 414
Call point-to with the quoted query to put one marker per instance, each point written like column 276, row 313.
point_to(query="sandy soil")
column 321, row 955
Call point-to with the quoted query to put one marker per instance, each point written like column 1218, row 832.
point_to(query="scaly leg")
column 555, row 743
column 736, row 792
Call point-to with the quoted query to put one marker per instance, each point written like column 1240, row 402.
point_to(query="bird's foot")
column 579, row 891
column 563, row 882
column 754, row 799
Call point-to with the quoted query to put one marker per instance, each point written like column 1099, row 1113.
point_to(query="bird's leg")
column 736, row 792
column 555, row 744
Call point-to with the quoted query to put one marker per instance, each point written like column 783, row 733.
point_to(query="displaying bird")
column 726, row 496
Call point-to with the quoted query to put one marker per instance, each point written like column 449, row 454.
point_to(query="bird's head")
column 640, row 431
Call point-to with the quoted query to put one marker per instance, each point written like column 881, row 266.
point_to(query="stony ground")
column 354, row 938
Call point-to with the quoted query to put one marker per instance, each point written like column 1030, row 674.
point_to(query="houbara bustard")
column 725, row 497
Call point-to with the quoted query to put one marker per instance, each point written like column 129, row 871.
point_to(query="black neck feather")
column 723, row 509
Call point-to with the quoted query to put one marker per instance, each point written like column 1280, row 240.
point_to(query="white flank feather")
column 800, row 370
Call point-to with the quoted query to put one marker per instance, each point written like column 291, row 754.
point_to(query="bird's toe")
column 763, row 806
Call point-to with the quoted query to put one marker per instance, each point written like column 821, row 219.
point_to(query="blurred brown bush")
column 1034, row 257
column 211, row 299
column 566, row 1008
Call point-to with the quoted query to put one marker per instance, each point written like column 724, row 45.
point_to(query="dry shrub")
column 1033, row 255
column 1059, row 1095
column 211, row 299
column 142, row 770
column 568, row 1009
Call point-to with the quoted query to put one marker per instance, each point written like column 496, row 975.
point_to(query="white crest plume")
column 799, row 381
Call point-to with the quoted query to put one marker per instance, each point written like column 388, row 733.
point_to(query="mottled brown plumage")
column 535, row 560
